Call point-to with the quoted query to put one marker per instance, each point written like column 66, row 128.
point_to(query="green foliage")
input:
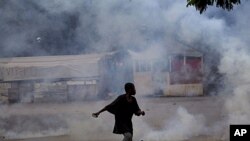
column 201, row 5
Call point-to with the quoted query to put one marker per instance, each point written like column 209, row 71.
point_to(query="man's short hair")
column 129, row 86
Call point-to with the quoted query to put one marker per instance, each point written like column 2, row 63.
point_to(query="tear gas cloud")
column 52, row 27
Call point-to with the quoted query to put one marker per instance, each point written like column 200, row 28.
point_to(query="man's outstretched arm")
column 98, row 113
column 110, row 107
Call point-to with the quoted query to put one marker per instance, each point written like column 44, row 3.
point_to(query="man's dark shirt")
column 123, row 111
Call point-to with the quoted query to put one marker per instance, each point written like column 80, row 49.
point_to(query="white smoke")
column 235, row 64
column 182, row 126
column 142, row 24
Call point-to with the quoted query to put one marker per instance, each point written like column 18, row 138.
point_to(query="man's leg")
column 127, row 136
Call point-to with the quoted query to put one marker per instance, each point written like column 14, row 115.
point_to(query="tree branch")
column 201, row 5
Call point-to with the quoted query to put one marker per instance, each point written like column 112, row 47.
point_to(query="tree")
column 201, row 5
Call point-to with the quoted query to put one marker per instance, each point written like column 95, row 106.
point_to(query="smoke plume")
column 53, row 27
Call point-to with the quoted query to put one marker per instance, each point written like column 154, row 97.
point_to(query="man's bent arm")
column 140, row 112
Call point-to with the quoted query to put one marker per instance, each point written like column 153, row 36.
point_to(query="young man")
column 123, row 107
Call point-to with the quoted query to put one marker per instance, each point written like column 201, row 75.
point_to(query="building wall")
column 82, row 90
column 177, row 75
column 184, row 90
column 143, row 83
column 50, row 92
column 4, row 92
column 37, row 92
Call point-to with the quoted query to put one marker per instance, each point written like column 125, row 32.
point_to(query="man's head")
column 130, row 88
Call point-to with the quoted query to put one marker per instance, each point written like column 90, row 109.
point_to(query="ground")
column 166, row 119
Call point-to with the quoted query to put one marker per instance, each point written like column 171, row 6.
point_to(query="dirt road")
column 166, row 119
